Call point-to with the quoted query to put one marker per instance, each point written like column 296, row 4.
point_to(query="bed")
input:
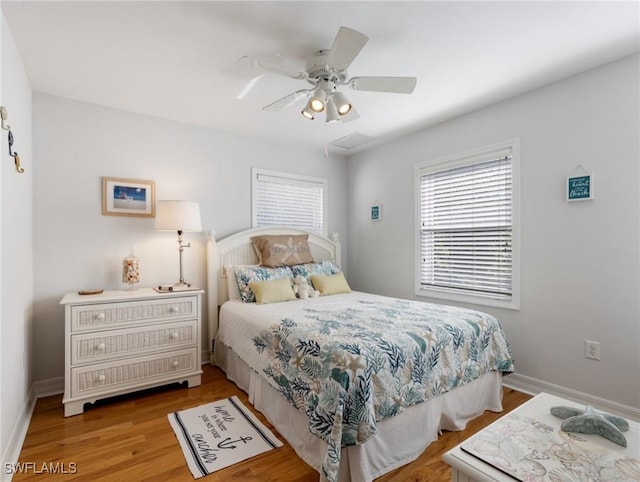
column 358, row 384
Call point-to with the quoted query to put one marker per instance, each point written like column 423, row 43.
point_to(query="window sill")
column 509, row 304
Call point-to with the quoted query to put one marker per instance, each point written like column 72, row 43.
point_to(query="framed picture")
column 128, row 197
column 376, row 212
column 580, row 188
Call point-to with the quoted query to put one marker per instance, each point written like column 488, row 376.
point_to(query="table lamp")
column 178, row 216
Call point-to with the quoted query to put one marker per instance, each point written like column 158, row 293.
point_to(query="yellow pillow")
column 330, row 284
column 273, row 290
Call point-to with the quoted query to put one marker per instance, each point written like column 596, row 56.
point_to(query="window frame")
column 472, row 156
column 294, row 179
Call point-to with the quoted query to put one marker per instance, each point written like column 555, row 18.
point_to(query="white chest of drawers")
column 121, row 341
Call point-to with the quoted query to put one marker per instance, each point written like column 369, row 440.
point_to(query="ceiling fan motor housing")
column 317, row 69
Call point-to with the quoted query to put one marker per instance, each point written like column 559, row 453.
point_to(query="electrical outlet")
column 592, row 349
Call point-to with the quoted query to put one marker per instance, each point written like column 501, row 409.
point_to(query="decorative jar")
column 131, row 271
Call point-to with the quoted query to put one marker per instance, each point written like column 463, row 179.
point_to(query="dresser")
column 118, row 342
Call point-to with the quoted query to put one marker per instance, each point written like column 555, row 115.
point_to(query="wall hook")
column 3, row 117
column 14, row 154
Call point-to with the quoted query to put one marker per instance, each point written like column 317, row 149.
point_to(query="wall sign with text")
column 376, row 211
column 580, row 188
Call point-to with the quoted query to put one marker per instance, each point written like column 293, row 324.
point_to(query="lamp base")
column 169, row 288
column 182, row 284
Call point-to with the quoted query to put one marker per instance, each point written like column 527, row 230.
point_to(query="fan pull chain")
column 326, row 140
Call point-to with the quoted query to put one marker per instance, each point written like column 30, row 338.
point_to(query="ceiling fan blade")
column 257, row 67
column 397, row 85
column 248, row 87
column 279, row 65
column 346, row 46
column 351, row 116
column 287, row 100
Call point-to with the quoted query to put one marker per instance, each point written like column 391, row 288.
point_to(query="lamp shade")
column 332, row 111
column 178, row 216
column 342, row 103
column 316, row 103
column 307, row 113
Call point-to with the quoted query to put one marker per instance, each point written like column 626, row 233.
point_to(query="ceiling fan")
column 326, row 71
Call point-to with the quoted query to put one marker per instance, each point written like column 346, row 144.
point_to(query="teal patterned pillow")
column 321, row 269
column 247, row 274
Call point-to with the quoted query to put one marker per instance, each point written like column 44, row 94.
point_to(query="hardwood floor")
column 129, row 439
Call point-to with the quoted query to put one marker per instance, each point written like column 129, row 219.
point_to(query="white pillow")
column 232, row 284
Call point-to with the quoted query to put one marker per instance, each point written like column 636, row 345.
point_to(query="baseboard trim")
column 16, row 440
column 48, row 387
column 522, row 383
column 55, row 386
column 533, row 386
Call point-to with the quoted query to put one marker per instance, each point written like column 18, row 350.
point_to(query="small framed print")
column 376, row 212
column 580, row 188
column 128, row 197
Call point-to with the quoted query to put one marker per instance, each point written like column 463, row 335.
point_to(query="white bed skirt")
column 398, row 440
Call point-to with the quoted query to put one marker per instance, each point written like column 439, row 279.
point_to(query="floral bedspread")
column 347, row 368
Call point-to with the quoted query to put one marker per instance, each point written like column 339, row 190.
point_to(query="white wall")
column 77, row 247
column 580, row 261
column 16, row 285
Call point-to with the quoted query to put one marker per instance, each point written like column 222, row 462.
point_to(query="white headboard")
column 238, row 249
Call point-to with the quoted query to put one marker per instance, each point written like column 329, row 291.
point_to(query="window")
column 281, row 199
column 468, row 228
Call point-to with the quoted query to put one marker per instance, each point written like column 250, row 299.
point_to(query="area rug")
column 219, row 434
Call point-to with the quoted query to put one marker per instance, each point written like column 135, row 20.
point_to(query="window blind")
column 466, row 228
column 289, row 201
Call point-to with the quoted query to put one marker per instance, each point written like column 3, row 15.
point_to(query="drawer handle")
column 102, row 378
column 174, row 336
column 101, row 347
column 100, row 317
column 173, row 309
column 176, row 364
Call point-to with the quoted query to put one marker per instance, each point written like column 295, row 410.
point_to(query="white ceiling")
column 179, row 60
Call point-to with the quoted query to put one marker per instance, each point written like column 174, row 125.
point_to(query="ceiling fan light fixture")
column 307, row 113
column 317, row 101
column 332, row 111
column 342, row 103
column 326, row 71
